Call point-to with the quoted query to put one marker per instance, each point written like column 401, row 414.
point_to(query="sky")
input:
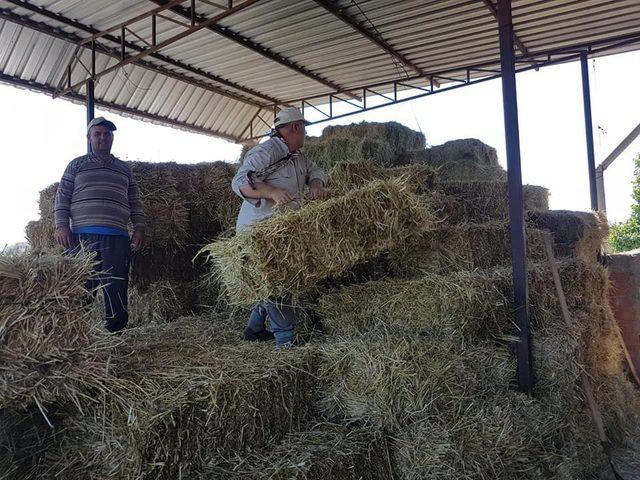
column 39, row 135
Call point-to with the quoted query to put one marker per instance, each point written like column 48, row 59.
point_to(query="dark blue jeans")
column 112, row 274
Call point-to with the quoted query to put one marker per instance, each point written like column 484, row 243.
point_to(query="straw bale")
column 451, row 410
column 292, row 252
column 506, row 435
column 346, row 176
column 468, row 246
column 332, row 151
column 165, row 207
column 380, row 143
column 393, row 381
column 190, row 394
column 472, row 304
column 460, row 160
column 24, row 435
column 329, row 451
column 578, row 234
column 470, row 150
column 206, row 190
column 156, row 264
column 41, row 235
column 161, row 302
column 486, row 201
column 46, row 200
column 396, row 134
column 50, row 345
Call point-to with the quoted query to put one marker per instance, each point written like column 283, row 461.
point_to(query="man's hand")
column 64, row 237
column 317, row 190
column 281, row 196
column 137, row 240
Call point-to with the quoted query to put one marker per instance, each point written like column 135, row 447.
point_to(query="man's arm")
column 255, row 160
column 138, row 218
column 261, row 190
column 317, row 180
column 62, row 209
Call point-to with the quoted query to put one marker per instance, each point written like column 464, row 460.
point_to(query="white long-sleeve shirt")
column 298, row 172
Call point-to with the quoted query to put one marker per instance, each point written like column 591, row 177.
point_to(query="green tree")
column 626, row 235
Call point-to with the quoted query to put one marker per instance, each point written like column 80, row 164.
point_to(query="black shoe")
column 261, row 336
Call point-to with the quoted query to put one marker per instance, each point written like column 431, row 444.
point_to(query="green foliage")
column 625, row 236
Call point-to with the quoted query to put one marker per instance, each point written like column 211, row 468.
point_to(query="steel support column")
column 516, row 209
column 588, row 127
column 91, row 106
column 602, row 202
column 90, row 101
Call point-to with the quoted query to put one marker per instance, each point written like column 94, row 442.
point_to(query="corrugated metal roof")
column 224, row 80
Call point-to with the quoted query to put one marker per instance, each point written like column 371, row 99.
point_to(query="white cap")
column 288, row 115
column 101, row 121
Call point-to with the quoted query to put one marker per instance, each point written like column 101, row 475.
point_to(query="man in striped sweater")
column 96, row 199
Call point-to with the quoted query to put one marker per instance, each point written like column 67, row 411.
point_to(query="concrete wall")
column 624, row 271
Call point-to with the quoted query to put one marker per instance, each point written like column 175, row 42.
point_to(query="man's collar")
column 107, row 158
column 283, row 143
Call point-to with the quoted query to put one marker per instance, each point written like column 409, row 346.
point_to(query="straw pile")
column 329, row 451
column 24, row 434
column 49, row 345
column 381, row 143
column 186, row 395
column 292, row 252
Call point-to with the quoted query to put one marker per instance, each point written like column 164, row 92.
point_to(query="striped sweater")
column 95, row 192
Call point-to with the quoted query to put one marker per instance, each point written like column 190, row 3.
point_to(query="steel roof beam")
column 132, row 46
column 374, row 37
column 519, row 43
column 155, row 48
column 255, row 46
column 78, row 98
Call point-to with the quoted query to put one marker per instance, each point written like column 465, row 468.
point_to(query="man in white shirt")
column 275, row 173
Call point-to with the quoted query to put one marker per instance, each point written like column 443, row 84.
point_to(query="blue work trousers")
column 112, row 274
column 282, row 317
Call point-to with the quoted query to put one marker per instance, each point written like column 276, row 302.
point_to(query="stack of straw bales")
column 424, row 352
column 409, row 274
